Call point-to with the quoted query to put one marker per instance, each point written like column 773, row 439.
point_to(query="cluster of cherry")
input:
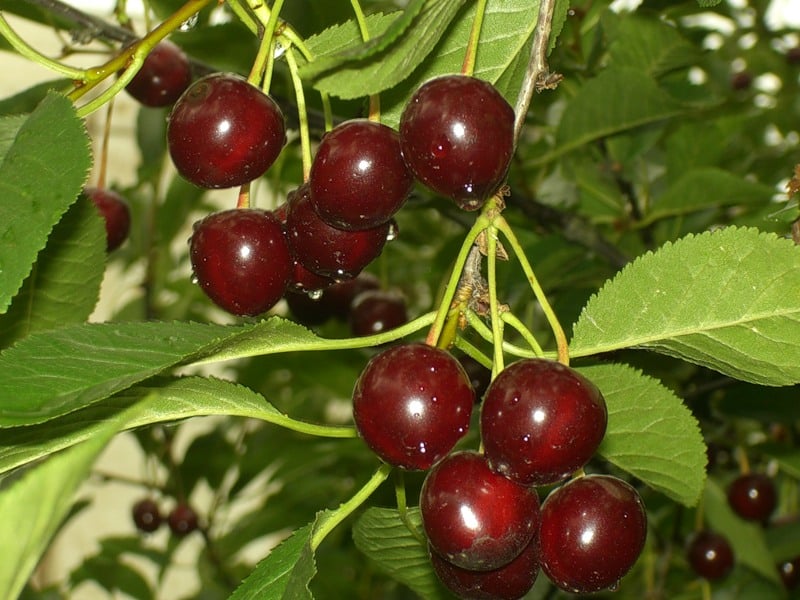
column 540, row 422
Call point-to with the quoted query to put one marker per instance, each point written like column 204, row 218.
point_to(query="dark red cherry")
column 115, row 213
column 376, row 311
column 224, row 132
column 741, row 80
column 593, row 530
column 358, row 178
column 789, row 571
column 163, row 77
column 146, row 515
column 182, row 520
column 710, row 555
column 340, row 296
column 509, row 582
column 241, row 260
column 326, row 250
column 457, row 137
column 474, row 517
column 411, row 404
column 752, row 496
column 541, row 421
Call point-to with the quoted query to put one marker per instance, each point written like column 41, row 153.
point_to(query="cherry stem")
column 374, row 99
column 329, row 521
column 243, row 201
column 305, row 140
column 102, row 167
column 468, row 66
column 552, row 319
column 483, row 330
column 473, row 352
column 742, row 460
column 511, row 319
column 494, row 306
column 34, row 55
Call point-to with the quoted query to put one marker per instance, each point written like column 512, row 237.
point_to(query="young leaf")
column 40, row 500
column 284, row 574
column 746, row 539
column 64, row 284
column 381, row 534
column 651, row 434
column 372, row 73
column 40, row 176
column 726, row 300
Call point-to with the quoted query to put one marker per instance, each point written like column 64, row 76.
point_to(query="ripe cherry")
column 474, row 517
column 411, row 404
column 593, row 530
column 182, row 520
column 358, row 178
column 241, row 260
column 326, row 250
column 789, row 571
column 457, row 137
column 376, row 311
column 710, row 555
column 541, row 421
column 146, row 515
column 509, row 582
column 752, row 496
column 224, row 132
column 115, row 213
column 340, row 296
column 163, row 77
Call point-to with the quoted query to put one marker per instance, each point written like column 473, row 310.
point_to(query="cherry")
column 789, row 571
column 457, row 137
column 340, row 296
column 509, row 582
column 593, row 530
column 741, row 80
column 474, row 517
column 146, row 515
column 793, row 55
column 358, row 177
column 223, row 132
column 752, row 496
column 115, row 213
column 710, row 555
column 163, row 77
column 182, row 520
column 376, row 311
column 326, row 250
column 307, row 309
column 411, row 404
column 241, row 260
column 541, row 421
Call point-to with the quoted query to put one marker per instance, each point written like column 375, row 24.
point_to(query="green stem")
column 552, row 319
column 330, row 431
column 374, row 99
column 511, row 319
column 470, row 350
column 244, row 16
column 305, row 140
column 325, row 526
column 483, row 330
column 494, row 305
column 400, row 493
column 468, row 66
column 34, row 55
column 269, row 36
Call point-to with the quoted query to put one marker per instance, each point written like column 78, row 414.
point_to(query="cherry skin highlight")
column 593, row 530
column 115, row 212
column 457, row 137
column 541, row 421
column 241, row 260
column 474, row 517
column 411, row 404
column 358, row 178
column 163, row 77
column 223, row 132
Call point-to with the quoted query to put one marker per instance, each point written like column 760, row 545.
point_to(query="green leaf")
column 284, row 574
column 650, row 45
column 651, row 434
column 160, row 402
column 40, row 176
column 9, row 126
column 40, row 500
column 27, row 100
column 65, row 282
column 701, row 189
column 746, row 539
column 381, row 534
column 726, row 300
column 708, row 3
column 618, row 99
column 388, row 59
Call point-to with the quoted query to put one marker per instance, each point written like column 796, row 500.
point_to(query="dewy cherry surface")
column 163, row 77
column 411, row 404
column 224, row 132
column 593, row 530
column 541, row 421
column 358, row 177
column 241, row 259
column 474, row 517
column 457, row 137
